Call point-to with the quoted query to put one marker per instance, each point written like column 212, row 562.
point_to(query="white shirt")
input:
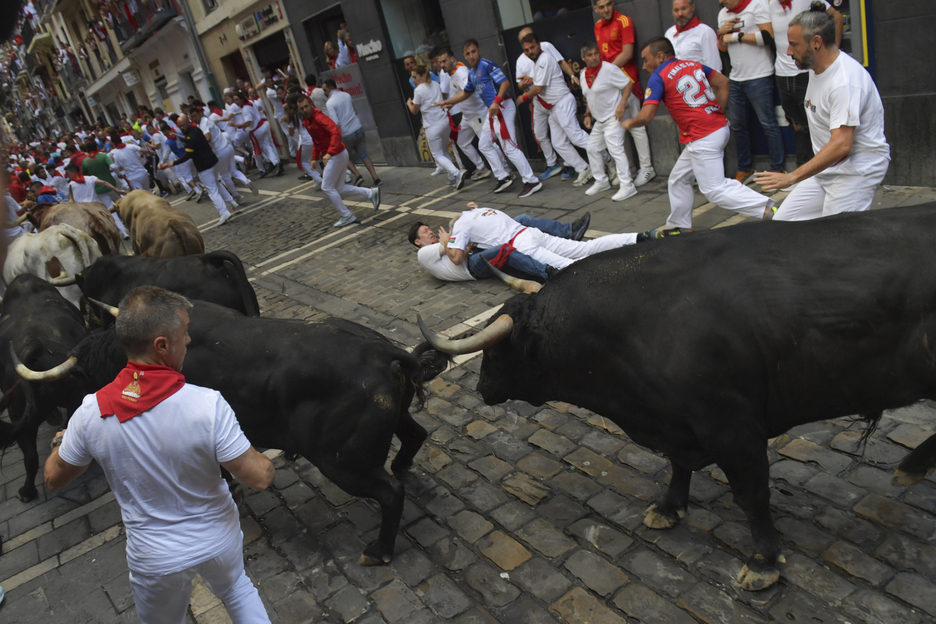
column 845, row 95
column 548, row 74
column 319, row 99
column 341, row 110
column 163, row 467
column 128, row 158
column 236, row 112
column 749, row 61
column 344, row 55
column 699, row 43
column 473, row 107
column 162, row 150
column 278, row 111
column 219, row 140
column 11, row 233
column 59, row 183
column 525, row 65
column 84, row 191
column 604, row 95
column 484, row 227
column 442, row 267
column 780, row 18
column 253, row 115
column 425, row 96
column 445, row 84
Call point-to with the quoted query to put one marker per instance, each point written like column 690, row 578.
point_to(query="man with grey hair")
column 846, row 124
column 160, row 456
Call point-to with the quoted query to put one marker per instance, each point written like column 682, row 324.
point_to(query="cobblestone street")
column 514, row 514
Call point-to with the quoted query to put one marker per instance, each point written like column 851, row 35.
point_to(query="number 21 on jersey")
column 696, row 89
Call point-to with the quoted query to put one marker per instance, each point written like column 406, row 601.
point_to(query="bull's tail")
column 431, row 364
column 236, row 269
column 80, row 241
column 188, row 246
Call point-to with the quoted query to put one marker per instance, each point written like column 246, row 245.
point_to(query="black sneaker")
column 378, row 182
column 502, row 185
column 529, row 189
column 580, row 225
column 460, row 179
column 358, row 181
column 305, row 176
column 551, row 272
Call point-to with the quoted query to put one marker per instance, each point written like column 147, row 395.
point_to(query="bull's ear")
column 54, row 267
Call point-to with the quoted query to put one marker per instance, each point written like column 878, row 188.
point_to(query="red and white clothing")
column 130, row 161
column 435, row 124
column 684, row 88
column 699, row 42
column 326, row 139
column 487, row 227
column 82, row 190
column 539, row 114
column 220, row 145
column 603, row 91
column 261, row 137
column 612, row 36
column 473, row 112
column 749, row 62
column 842, row 95
column 559, row 103
column 162, row 466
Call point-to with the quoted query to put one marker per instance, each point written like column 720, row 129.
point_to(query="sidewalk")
column 514, row 514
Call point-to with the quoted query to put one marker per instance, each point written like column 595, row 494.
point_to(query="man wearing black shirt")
column 198, row 150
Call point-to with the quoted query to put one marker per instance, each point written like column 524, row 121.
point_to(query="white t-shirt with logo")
column 473, row 107
column 548, row 74
column 699, row 43
column 749, row 61
column 163, row 467
column 780, row 18
column 84, row 191
column 484, row 227
column 845, row 95
column 604, row 95
column 442, row 266
column 425, row 97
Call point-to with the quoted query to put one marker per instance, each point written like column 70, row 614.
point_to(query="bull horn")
column 487, row 337
column 525, row 286
column 65, row 280
column 107, row 308
column 19, row 221
column 113, row 208
column 50, row 375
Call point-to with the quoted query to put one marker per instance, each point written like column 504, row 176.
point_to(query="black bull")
column 706, row 346
column 333, row 392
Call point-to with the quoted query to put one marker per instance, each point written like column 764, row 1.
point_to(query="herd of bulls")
column 701, row 347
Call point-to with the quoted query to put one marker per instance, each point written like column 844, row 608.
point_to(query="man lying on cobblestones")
column 160, row 456
column 434, row 258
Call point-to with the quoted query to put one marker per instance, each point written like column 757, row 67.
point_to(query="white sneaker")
column 224, row 218
column 598, row 187
column 644, row 176
column 437, row 171
column 627, row 191
column 480, row 174
column 583, row 177
column 343, row 221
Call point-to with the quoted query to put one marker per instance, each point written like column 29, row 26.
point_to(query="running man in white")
column 225, row 153
column 261, row 137
column 846, row 123
column 551, row 91
column 435, row 122
column 538, row 114
column 607, row 90
column 472, row 109
column 130, row 163
column 300, row 138
column 81, row 187
column 487, row 228
column 695, row 96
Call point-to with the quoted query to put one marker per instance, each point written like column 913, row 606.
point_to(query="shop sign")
column 348, row 79
column 91, row 101
column 369, row 51
column 259, row 21
column 131, row 78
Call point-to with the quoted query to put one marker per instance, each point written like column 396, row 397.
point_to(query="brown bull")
column 157, row 229
column 90, row 217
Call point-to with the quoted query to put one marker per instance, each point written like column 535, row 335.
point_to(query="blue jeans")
column 760, row 93
column 516, row 260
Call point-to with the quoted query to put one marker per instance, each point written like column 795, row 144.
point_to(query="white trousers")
column 493, row 131
column 210, row 179
column 561, row 252
column 703, row 160
column 164, row 599
column 541, row 132
column 333, row 183
column 567, row 134
column 470, row 128
column 138, row 180
column 264, row 137
column 641, row 141
column 437, row 135
column 186, row 172
column 304, row 160
column 228, row 163
column 846, row 187
column 608, row 135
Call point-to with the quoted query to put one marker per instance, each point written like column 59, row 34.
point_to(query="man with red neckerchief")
column 161, row 457
column 615, row 36
column 693, row 40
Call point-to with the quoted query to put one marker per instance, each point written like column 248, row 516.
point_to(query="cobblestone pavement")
column 514, row 514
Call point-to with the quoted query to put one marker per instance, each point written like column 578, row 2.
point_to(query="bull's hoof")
column 400, row 469
column 28, row 493
column 371, row 556
column 906, row 479
column 757, row 575
column 660, row 520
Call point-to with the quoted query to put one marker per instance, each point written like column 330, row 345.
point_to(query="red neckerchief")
column 56, row 174
column 455, row 67
column 591, row 74
column 218, row 111
column 77, row 177
column 786, row 4
column 741, row 6
column 137, row 389
column 120, row 146
column 92, row 155
column 695, row 21
column 247, row 103
column 47, row 190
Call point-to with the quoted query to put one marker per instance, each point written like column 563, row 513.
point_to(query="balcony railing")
column 133, row 28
